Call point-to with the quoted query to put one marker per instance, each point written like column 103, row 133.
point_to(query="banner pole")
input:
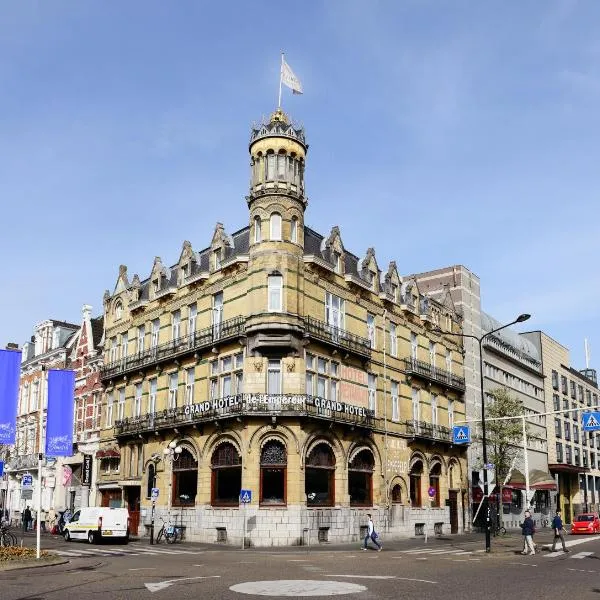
column 280, row 75
column 38, row 526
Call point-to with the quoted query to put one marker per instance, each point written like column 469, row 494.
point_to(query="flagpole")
column 280, row 74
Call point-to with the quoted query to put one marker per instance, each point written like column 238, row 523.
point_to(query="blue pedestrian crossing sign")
column 590, row 421
column 246, row 496
column 461, row 434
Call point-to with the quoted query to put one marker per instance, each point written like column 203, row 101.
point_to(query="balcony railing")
column 429, row 431
column 27, row 461
column 198, row 340
column 253, row 405
column 426, row 370
column 338, row 337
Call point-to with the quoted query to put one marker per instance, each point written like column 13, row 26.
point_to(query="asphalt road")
column 449, row 568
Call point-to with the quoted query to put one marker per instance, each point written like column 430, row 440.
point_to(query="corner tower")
column 277, row 200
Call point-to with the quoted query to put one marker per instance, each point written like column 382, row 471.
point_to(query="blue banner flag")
column 61, row 400
column 10, row 368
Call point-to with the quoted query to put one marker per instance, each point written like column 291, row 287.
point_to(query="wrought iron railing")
column 248, row 405
column 338, row 337
column 428, row 371
column 192, row 342
column 27, row 461
column 423, row 429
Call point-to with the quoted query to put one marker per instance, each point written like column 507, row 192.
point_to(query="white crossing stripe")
column 582, row 554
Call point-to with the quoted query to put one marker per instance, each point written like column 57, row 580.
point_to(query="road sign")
column 489, row 466
column 245, row 496
column 27, row 480
column 461, row 434
column 490, row 477
column 590, row 421
column 431, row 492
column 27, row 494
column 1, row 468
column 154, row 494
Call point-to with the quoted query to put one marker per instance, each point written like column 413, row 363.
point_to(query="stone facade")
column 277, row 361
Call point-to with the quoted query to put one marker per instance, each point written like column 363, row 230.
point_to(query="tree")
column 504, row 436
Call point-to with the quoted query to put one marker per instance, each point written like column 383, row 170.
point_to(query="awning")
column 538, row 480
column 564, row 468
column 109, row 486
column 130, row 482
column 108, row 453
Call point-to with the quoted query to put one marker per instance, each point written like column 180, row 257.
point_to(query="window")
column 152, row 396
column 415, row 483
column 573, row 389
column 337, row 263
column 434, row 410
column 173, row 383
column 175, row 324
column 448, row 361
column 141, row 334
column 226, row 464
column 394, row 292
column 217, row 314
column 294, row 230
column 566, row 406
column 451, row 413
column 275, row 285
column 567, row 431
column 192, row 315
column 150, row 480
column 588, row 397
column 118, row 310
column 416, row 406
column 137, row 404
column 124, row 342
column 274, row 376
column 319, row 482
column 189, row 386
column 360, row 479
column 257, row 232
column 594, row 399
column 275, row 227
column 577, row 458
column 580, row 393
column 185, row 479
column 372, row 379
column 281, row 163
column 334, row 311
column 326, row 374
column 35, row 394
column 557, row 428
column 113, row 353
column 110, row 400
column 563, row 384
column 395, row 407
column 432, row 353
column 592, row 460
column 393, row 340
column 568, row 454
column 576, row 434
column 216, row 259
column 397, row 494
column 554, row 380
column 271, row 163
column 155, row 333
column 559, row 452
column 121, row 409
column 556, row 401
column 273, row 480
column 414, row 346
column 371, row 329
column 434, row 482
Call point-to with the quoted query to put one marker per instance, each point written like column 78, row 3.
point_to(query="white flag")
column 289, row 79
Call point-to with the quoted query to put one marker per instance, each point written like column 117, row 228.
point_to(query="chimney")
column 87, row 312
column 12, row 346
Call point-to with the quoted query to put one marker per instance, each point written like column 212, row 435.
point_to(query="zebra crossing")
column 133, row 549
column 439, row 552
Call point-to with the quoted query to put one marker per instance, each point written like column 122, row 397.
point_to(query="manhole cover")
column 297, row 588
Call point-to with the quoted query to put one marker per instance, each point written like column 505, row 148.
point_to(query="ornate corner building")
column 277, row 361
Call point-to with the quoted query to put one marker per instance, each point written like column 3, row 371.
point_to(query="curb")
column 32, row 564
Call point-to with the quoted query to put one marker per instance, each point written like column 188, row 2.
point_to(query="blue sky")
column 441, row 132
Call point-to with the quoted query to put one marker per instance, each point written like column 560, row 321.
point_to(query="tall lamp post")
column 479, row 339
column 171, row 454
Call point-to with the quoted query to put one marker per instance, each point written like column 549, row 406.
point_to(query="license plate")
column 170, row 530
column 107, row 532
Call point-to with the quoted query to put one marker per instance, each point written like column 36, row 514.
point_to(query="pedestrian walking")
column 372, row 535
column 26, row 518
column 43, row 520
column 528, row 529
column 559, row 532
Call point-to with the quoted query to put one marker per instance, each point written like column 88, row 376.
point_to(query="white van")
column 97, row 523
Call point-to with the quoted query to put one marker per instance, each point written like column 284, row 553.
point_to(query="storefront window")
column 185, row 479
column 434, row 482
column 415, row 483
column 319, row 484
column 360, row 479
column 273, row 465
column 226, row 476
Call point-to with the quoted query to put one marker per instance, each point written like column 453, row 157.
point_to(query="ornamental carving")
column 321, row 456
column 273, row 453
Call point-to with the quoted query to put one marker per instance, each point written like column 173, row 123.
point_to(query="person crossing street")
column 559, row 532
column 371, row 535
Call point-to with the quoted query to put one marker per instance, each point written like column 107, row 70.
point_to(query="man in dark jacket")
column 559, row 532
column 528, row 528
column 26, row 518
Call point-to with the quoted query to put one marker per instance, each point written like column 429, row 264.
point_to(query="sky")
column 441, row 132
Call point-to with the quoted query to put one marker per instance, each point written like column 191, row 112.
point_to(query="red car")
column 586, row 523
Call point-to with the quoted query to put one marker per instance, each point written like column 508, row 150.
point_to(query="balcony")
column 23, row 462
column 187, row 344
column 337, row 337
column 425, row 370
column 428, row 431
column 248, row 405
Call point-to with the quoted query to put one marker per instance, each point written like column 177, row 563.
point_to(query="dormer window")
column 394, row 292
column 118, row 310
column 156, row 285
column 257, row 232
column 373, row 280
column 217, row 259
column 337, row 262
column 275, row 233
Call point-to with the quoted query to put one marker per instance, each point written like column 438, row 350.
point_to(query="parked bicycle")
column 7, row 538
column 170, row 532
column 499, row 530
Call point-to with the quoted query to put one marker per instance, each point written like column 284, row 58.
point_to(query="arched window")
column 226, row 467
column 185, row 479
column 275, row 233
column 257, row 232
column 294, row 230
column 397, row 494
column 319, row 483
column 151, row 482
column 118, row 310
column 281, row 160
column 273, row 481
column 271, row 165
column 415, row 483
column 434, row 482
column 360, row 479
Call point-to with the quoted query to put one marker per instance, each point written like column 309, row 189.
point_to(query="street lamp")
column 171, row 454
column 520, row 319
